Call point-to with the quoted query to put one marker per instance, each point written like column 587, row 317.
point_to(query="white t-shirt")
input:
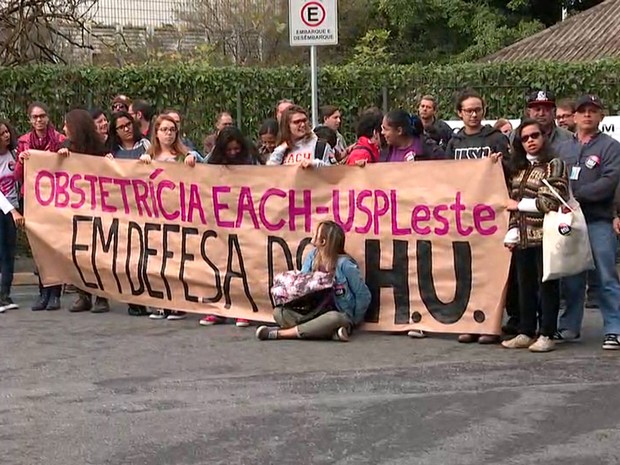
column 302, row 150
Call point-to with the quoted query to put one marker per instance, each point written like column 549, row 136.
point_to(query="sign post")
column 313, row 23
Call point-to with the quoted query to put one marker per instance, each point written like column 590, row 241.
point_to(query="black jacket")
column 440, row 132
column 489, row 140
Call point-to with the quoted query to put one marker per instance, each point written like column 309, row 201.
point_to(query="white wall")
column 610, row 125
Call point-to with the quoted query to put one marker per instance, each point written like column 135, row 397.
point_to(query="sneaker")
column 241, row 323
column 211, row 320
column 158, row 314
column 566, row 335
column 416, row 334
column 543, row 344
column 101, row 306
column 6, row 303
column 342, row 334
column 612, row 342
column 175, row 316
column 265, row 333
column 137, row 310
column 520, row 342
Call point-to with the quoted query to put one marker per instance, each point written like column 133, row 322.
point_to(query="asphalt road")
column 113, row 389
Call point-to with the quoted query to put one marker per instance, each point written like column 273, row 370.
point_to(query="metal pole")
column 314, row 86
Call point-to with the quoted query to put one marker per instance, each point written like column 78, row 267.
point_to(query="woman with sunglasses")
column 532, row 162
column 126, row 140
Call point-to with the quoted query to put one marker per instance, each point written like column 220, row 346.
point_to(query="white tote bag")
column 566, row 244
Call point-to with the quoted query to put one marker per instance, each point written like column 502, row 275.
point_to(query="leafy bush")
column 201, row 91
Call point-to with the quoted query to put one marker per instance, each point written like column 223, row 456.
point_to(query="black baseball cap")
column 589, row 100
column 541, row 97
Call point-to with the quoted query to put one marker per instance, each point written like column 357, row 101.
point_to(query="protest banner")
column 209, row 239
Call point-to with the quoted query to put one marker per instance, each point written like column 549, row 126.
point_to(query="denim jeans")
column 8, row 245
column 603, row 243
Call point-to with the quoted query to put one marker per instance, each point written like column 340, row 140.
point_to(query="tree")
column 464, row 30
column 35, row 31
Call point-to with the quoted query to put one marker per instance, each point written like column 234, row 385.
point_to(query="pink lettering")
column 365, row 194
column 262, row 206
column 195, row 204
column 458, row 209
column 77, row 190
column 304, row 210
column 141, row 194
column 92, row 180
column 484, row 213
column 396, row 230
column 105, row 194
column 169, row 185
column 62, row 182
column 41, row 176
column 441, row 219
column 350, row 214
column 420, row 214
column 246, row 205
column 218, row 206
column 380, row 210
column 122, row 184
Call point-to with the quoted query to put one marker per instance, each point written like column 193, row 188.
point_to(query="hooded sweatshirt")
column 480, row 145
column 365, row 150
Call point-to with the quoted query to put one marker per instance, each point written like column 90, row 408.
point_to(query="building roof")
column 591, row 35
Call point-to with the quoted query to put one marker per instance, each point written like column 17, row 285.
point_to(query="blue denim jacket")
column 351, row 295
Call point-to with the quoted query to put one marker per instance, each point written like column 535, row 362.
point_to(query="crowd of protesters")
column 556, row 149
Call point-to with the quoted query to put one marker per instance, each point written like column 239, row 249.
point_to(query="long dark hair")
column 518, row 157
column 411, row 125
column 114, row 140
column 84, row 136
column 247, row 156
column 13, row 139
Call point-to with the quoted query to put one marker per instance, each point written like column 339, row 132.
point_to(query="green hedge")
column 200, row 91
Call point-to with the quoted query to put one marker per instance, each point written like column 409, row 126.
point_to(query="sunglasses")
column 533, row 136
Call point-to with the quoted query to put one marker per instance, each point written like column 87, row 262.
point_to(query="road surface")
column 113, row 389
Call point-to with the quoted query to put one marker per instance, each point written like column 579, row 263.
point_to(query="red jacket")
column 23, row 144
column 364, row 149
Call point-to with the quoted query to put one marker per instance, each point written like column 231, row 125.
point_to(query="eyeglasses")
column 40, row 116
column 533, row 136
column 119, row 107
column 471, row 111
column 565, row 116
column 125, row 127
column 299, row 122
column 168, row 130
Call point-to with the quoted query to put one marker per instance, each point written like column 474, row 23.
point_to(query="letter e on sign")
column 313, row 22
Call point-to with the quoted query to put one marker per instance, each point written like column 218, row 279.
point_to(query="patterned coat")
column 527, row 184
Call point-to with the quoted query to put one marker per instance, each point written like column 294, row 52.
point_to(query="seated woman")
column 348, row 303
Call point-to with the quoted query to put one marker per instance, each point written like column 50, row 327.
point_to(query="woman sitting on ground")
column 347, row 305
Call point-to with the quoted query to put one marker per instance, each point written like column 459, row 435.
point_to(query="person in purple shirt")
column 406, row 140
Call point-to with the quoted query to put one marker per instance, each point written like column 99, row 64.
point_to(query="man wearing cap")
column 593, row 162
column 121, row 103
column 541, row 107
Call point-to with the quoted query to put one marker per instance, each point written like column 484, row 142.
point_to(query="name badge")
column 574, row 173
column 592, row 161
